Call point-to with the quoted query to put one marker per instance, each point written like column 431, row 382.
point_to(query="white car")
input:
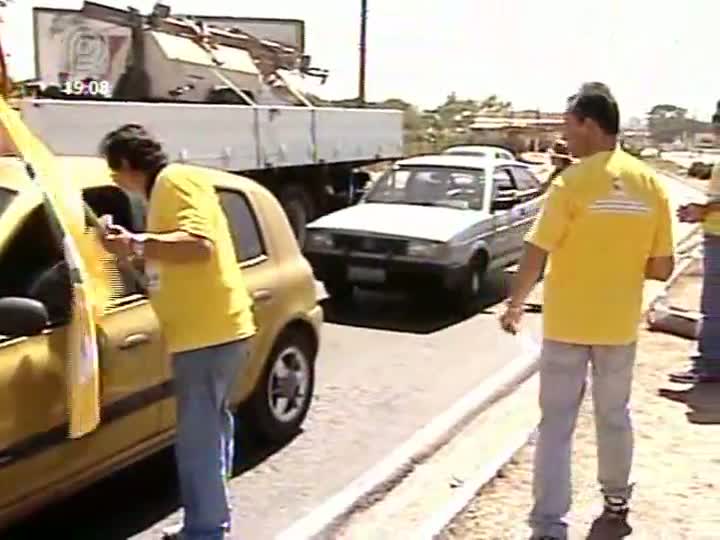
column 442, row 221
column 483, row 151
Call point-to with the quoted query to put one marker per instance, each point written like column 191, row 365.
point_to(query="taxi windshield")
column 6, row 197
column 431, row 186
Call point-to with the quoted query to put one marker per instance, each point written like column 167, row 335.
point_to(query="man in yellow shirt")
column 197, row 291
column 706, row 364
column 605, row 227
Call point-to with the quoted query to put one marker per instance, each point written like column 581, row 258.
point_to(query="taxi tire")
column 256, row 416
column 465, row 298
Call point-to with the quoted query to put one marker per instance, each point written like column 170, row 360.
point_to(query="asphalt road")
column 388, row 365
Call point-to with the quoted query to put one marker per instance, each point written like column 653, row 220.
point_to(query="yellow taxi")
column 38, row 462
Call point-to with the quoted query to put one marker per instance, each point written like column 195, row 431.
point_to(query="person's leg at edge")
column 563, row 371
column 203, row 379
column 706, row 363
column 612, row 372
column 709, row 338
column 226, row 373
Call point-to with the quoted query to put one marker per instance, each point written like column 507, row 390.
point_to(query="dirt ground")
column 676, row 467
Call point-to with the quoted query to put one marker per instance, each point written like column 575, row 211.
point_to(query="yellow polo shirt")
column 711, row 224
column 603, row 218
column 201, row 303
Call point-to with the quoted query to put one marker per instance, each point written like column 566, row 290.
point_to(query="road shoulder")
column 677, row 467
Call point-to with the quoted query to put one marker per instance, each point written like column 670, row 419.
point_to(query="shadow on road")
column 605, row 528
column 423, row 313
column 125, row 504
column 702, row 400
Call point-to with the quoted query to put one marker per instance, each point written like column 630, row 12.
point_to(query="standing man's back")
column 605, row 227
column 609, row 214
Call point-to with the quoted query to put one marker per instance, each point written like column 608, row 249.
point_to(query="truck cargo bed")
column 230, row 137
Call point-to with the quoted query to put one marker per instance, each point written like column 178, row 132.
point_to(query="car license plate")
column 367, row 275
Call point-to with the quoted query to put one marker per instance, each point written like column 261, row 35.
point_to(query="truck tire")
column 292, row 361
column 299, row 208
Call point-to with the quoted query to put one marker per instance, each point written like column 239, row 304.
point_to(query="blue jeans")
column 205, row 434
column 708, row 360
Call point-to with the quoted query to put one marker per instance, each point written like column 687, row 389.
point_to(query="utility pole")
column 363, row 51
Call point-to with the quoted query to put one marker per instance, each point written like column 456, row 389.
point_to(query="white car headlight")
column 423, row 248
column 320, row 240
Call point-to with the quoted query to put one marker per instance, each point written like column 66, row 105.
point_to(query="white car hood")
column 435, row 223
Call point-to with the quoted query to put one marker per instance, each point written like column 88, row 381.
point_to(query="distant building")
column 522, row 130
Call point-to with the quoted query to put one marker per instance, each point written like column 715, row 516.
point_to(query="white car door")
column 503, row 244
column 523, row 214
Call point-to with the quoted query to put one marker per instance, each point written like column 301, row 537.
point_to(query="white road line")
column 434, row 526
column 320, row 522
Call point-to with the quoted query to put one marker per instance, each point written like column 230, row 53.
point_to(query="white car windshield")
column 431, row 186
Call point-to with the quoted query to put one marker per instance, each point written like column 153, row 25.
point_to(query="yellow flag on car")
column 83, row 254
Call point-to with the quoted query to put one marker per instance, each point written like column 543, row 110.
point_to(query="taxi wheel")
column 282, row 398
column 466, row 297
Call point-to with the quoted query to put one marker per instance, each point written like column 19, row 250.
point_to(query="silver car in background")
column 439, row 221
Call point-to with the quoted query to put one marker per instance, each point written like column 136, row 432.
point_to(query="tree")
column 668, row 122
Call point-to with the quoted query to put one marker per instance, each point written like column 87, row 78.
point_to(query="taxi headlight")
column 424, row 248
column 320, row 240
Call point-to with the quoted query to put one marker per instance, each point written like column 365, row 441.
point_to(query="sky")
column 533, row 53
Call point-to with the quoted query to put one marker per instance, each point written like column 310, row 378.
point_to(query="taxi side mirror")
column 22, row 317
column 506, row 199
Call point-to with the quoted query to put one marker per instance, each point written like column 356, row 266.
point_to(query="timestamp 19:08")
column 91, row 88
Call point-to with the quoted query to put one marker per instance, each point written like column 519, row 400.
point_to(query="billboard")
column 71, row 47
column 285, row 31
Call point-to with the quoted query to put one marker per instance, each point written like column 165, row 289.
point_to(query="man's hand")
column 510, row 319
column 691, row 213
column 118, row 240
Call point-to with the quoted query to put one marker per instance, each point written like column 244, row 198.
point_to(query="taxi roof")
column 459, row 161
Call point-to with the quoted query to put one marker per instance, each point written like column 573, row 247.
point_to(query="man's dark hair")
column 599, row 107
column 593, row 87
column 133, row 144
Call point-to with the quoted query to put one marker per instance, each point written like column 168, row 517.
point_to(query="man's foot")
column 616, row 507
column 694, row 376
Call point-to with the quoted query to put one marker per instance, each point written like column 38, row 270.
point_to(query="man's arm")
column 530, row 268
column 177, row 246
column 193, row 240
column 661, row 263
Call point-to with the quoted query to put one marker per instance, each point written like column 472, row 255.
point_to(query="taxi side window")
column 525, row 179
column 32, row 266
column 111, row 200
column 243, row 224
column 502, row 181
column 33, row 263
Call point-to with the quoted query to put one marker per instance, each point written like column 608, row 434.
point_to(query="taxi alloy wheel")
column 282, row 398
